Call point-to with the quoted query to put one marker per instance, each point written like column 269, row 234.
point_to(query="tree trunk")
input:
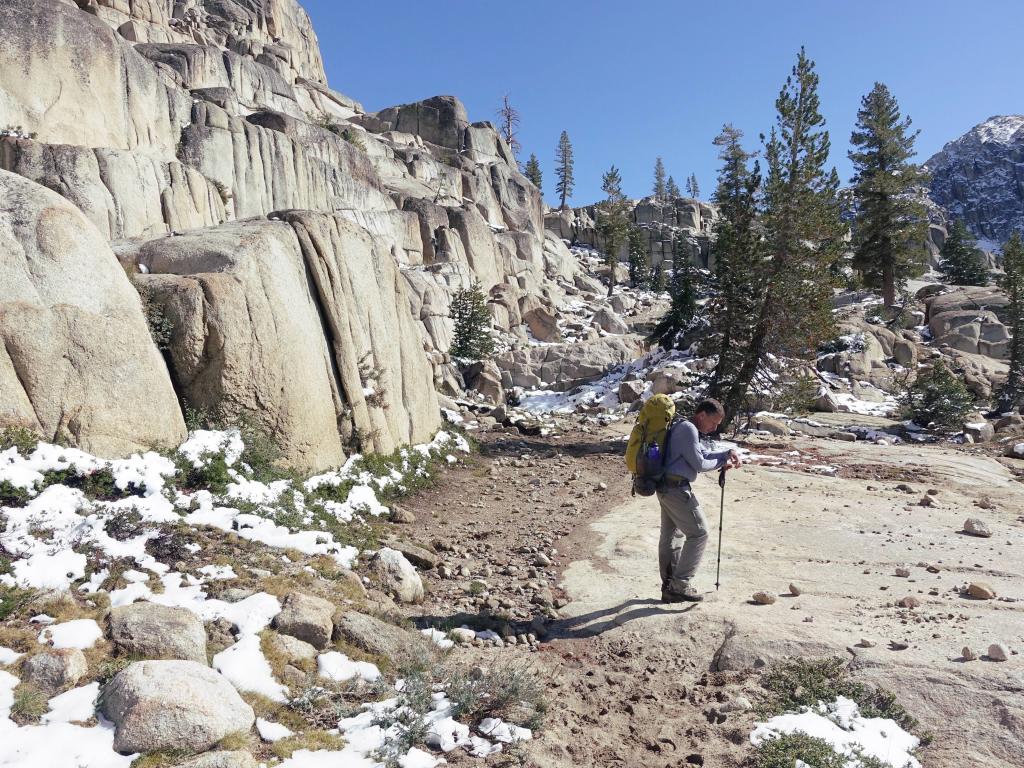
column 888, row 284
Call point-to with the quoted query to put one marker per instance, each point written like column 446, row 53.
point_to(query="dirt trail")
column 840, row 542
column 635, row 682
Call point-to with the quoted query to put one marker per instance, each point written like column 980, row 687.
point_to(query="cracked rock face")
column 979, row 177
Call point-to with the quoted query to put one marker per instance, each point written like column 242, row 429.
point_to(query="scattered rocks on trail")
column 158, row 706
column 866, row 642
column 55, row 669
column 903, row 573
column 309, row 618
column 909, row 602
column 979, row 590
column 402, row 515
column 152, row 631
column 967, row 654
column 397, row 575
column 764, row 598
column 998, row 652
column 421, row 557
column 975, row 526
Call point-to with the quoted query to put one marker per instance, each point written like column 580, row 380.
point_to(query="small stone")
column 764, row 598
column 975, row 526
column 979, row 590
column 866, row 642
column 909, row 602
column 927, row 501
column 402, row 515
column 967, row 654
column 998, row 652
column 55, row 669
column 541, row 560
column 903, row 572
column 739, row 704
column 306, row 617
column 463, row 636
column 795, row 590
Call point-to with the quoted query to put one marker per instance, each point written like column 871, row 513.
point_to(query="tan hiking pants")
column 684, row 534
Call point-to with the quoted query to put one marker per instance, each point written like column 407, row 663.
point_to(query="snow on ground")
column 340, row 668
column 55, row 742
column 47, row 534
column 53, row 534
column 272, row 732
column 80, row 633
column 841, row 725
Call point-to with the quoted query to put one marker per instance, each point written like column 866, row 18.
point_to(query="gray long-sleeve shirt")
column 686, row 457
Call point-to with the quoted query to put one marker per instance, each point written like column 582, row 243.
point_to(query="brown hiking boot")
column 686, row 595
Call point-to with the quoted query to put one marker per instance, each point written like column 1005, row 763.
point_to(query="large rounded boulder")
column 158, row 706
column 77, row 362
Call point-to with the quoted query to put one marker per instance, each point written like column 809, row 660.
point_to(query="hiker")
column 684, row 532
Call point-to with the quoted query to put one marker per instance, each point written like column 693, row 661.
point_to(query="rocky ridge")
column 979, row 177
column 206, row 147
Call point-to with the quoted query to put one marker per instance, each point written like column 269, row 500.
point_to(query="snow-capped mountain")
column 979, row 177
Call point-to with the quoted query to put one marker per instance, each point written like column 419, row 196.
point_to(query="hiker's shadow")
column 598, row 622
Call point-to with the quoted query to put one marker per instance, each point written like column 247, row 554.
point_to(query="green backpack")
column 645, row 451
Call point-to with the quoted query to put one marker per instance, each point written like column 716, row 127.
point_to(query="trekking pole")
column 721, row 521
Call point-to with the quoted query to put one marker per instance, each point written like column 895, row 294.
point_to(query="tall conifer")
column 803, row 235
column 960, row 261
column 612, row 221
column 692, row 187
column 533, row 172
column 659, row 180
column 1012, row 282
column 890, row 226
column 738, row 269
column 670, row 331
column 564, row 169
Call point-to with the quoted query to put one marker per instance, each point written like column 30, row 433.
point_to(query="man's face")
column 707, row 422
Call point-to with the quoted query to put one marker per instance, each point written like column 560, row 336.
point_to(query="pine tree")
column 937, row 397
column 738, row 276
column 960, row 261
column 692, row 187
column 533, row 172
column 1012, row 282
column 563, row 169
column 658, row 281
column 659, row 180
column 682, row 288
column 509, row 125
column 612, row 221
column 672, row 189
column 471, row 339
column 803, row 235
column 890, row 226
column 639, row 268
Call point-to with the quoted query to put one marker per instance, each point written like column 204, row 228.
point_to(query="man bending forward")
column 684, row 532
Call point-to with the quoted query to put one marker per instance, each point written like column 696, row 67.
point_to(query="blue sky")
column 630, row 81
